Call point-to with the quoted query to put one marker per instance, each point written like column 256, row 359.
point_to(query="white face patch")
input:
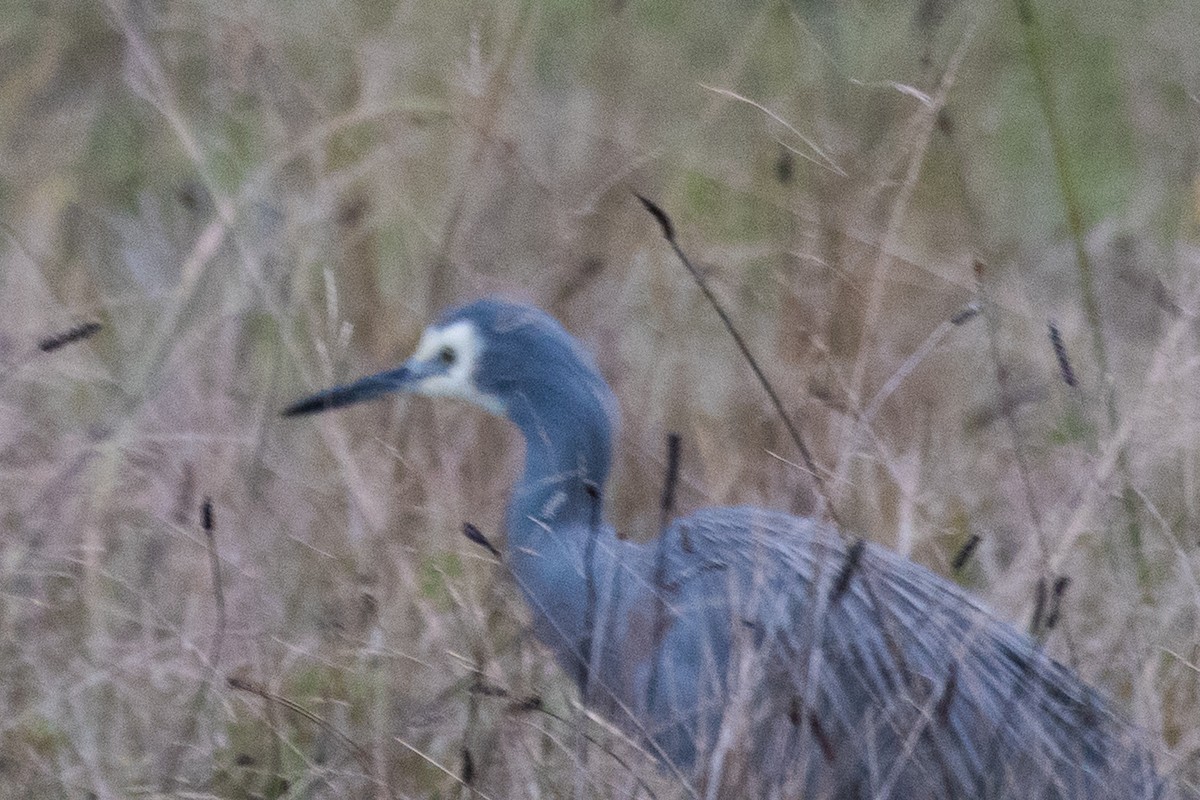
column 458, row 345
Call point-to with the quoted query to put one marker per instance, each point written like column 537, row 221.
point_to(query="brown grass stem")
column 360, row 753
column 923, row 125
column 1031, row 30
column 810, row 464
column 199, row 698
column 1007, row 410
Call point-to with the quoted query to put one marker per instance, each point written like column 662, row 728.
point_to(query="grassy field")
column 257, row 200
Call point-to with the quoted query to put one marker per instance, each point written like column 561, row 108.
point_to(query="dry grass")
column 258, row 200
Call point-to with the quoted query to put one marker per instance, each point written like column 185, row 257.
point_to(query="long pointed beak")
column 402, row 378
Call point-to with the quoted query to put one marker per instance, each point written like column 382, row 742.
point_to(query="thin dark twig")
column 467, row 773
column 965, row 552
column 479, row 688
column 853, row 557
column 668, row 229
column 1060, row 353
column 175, row 751
column 589, row 565
column 661, row 617
column 1060, row 588
column 214, row 564
column 85, row 330
column 590, row 648
column 477, row 536
column 524, row 705
column 49, row 344
column 484, row 689
column 667, row 502
column 966, row 314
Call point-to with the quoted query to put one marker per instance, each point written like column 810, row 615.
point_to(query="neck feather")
column 555, row 520
column 567, row 456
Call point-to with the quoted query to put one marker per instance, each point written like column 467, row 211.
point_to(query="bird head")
column 510, row 359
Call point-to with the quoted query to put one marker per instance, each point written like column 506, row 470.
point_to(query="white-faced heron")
column 751, row 648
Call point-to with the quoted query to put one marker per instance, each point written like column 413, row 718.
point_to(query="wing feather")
column 915, row 684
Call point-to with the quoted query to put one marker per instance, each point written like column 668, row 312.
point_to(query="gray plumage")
column 751, row 652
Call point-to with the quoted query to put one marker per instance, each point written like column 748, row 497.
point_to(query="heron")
column 755, row 653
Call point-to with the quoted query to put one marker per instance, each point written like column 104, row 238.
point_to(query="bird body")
column 752, row 649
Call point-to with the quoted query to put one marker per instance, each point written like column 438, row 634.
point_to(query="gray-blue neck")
column 555, row 517
column 567, row 456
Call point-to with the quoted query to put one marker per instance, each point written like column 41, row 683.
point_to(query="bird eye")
column 447, row 355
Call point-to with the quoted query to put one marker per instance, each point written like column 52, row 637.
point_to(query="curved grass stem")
column 1033, row 36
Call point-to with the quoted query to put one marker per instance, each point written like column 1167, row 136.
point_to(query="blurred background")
column 894, row 200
